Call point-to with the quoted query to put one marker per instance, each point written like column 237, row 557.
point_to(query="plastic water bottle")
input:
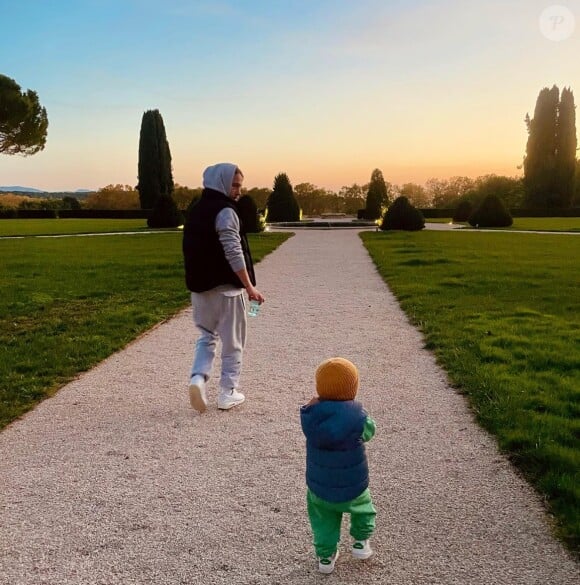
column 254, row 309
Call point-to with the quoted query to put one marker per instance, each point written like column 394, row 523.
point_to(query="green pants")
column 326, row 517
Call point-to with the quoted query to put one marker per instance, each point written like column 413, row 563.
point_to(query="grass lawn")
column 548, row 224
column 502, row 314
column 67, row 303
column 35, row 227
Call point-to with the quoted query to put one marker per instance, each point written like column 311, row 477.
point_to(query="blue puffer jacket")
column 336, row 462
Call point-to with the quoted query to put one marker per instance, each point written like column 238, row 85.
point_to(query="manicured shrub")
column 282, row 204
column 248, row 212
column 491, row 213
column 165, row 214
column 401, row 215
column 463, row 210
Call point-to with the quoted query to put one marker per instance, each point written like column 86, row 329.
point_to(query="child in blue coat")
column 336, row 427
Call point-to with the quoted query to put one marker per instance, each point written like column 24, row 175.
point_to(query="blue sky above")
column 323, row 90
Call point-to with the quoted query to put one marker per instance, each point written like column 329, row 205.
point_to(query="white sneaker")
column 361, row 549
column 326, row 565
column 197, row 396
column 229, row 398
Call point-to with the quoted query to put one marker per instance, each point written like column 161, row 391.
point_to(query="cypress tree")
column 377, row 196
column 165, row 214
column 566, row 144
column 282, row 205
column 155, row 176
column 540, row 159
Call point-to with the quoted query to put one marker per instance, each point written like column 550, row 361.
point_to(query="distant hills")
column 51, row 194
column 17, row 189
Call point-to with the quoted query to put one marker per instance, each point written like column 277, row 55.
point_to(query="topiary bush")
column 248, row 212
column 165, row 214
column 401, row 215
column 463, row 210
column 282, row 204
column 492, row 212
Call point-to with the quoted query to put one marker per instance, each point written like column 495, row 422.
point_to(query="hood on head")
column 220, row 177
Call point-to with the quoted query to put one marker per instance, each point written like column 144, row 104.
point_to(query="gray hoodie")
column 220, row 177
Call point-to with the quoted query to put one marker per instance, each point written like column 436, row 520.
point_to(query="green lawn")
column 35, row 227
column 502, row 314
column 549, row 224
column 67, row 303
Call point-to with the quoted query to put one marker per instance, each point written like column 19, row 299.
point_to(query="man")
column 218, row 267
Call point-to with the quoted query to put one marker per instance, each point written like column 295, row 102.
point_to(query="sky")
column 323, row 90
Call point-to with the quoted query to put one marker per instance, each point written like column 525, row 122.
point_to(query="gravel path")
column 116, row 481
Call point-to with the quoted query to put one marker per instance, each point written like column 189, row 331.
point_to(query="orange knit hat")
column 337, row 379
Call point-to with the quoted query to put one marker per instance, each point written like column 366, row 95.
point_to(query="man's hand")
column 254, row 294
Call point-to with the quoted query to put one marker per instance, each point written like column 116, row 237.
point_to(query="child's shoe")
column 361, row 549
column 326, row 565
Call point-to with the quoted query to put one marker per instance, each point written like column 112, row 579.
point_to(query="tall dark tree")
column 540, row 159
column 282, row 204
column 566, row 143
column 23, row 121
column 377, row 195
column 155, row 175
column 549, row 164
column 165, row 214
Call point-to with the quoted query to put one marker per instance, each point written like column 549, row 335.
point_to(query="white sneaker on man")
column 229, row 398
column 197, row 395
column 361, row 549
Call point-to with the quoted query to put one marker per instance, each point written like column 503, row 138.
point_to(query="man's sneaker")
column 197, row 396
column 229, row 398
column 361, row 549
column 326, row 565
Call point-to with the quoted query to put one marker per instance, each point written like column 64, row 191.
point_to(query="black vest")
column 205, row 263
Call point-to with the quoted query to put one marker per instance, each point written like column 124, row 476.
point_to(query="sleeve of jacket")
column 369, row 429
column 227, row 226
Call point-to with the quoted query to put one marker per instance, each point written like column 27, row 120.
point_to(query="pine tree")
column 566, row 143
column 282, row 205
column 377, row 196
column 23, row 121
column 155, row 175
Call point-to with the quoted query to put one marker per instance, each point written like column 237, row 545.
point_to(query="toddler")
column 336, row 427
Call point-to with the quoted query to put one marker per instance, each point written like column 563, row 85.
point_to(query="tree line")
column 551, row 177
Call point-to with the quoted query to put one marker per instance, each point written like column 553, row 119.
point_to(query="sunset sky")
column 324, row 90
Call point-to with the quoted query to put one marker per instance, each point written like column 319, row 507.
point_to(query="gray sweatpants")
column 217, row 315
